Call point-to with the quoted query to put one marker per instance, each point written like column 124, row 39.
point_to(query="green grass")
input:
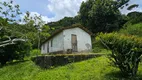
column 93, row 69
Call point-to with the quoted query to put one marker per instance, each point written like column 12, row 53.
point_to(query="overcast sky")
column 53, row 10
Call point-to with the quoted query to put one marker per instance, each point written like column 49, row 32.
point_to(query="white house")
column 68, row 39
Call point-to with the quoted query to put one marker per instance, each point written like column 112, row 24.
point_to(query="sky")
column 54, row 10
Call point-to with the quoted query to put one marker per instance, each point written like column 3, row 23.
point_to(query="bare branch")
column 11, row 41
column 18, row 39
column 6, row 41
column 2, row 45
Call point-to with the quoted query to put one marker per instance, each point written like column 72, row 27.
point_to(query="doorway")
column 74, row 42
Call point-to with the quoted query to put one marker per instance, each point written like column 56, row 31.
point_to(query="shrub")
column 14, row 52
column 126, row 51
column 96, row 50
column 35, row 52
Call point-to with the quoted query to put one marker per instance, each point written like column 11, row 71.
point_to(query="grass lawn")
column 93, row 69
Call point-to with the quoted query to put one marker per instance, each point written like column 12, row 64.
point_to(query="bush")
column 126, row 51
column 35, row 52
column 96, row 50
column 14, row 52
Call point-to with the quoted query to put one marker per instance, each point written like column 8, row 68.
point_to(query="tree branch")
column 1, row 28
column 10, row 42
column 104, row 43
column 6, row 44
column 6, row 41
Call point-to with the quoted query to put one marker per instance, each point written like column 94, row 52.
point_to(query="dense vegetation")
column 65, row 22
column 135, row 29
column 125, row 45
column 12, row 45
column 102, row 16
column 16, row 40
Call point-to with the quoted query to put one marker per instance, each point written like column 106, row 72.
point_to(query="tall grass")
column 92, row 69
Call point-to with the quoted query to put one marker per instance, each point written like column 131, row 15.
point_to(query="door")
column 48, row 47
column 74, row 42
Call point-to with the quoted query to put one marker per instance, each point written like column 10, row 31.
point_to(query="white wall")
column 62, row 41
column 83, row 39
column 57, row 44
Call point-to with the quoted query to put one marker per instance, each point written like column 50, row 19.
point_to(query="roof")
column 64, row 28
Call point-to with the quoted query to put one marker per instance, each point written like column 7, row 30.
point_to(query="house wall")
column 83, row 39
column 57, row 44
column 62, row 41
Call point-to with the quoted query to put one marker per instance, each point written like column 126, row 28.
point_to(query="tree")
column 133, row 18
column 101, row 15
column 12, row 44
column 132, row 6
column 36, row 30
column 8, row 12
column 65, row 22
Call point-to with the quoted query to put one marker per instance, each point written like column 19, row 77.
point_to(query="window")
column 43, row 46
column 51, row 42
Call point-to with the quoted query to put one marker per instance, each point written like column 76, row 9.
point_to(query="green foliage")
column 134, row 14
column 35, row 28
column 102, row 15
column 135, row 29
column 13, row 45
column 9, row 10
column 126, row 51
column 44, row 34
column 100, row 50
column 65, row 22
column 132, row 6
column 133, row 18
column 35, row 52
column 14, row 52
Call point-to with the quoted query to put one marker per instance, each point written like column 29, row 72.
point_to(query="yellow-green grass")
column 92, row 69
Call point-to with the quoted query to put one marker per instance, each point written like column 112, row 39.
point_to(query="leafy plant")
column 35, row 52
column 126, row 51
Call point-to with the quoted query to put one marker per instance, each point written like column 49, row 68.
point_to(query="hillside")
column 93, row 69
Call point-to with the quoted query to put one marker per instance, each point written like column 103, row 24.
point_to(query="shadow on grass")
column 17, row 62
column 117, row 75
column 13, row 63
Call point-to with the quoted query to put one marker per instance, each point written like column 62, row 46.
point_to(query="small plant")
column 35, row 52
column 126, row 51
